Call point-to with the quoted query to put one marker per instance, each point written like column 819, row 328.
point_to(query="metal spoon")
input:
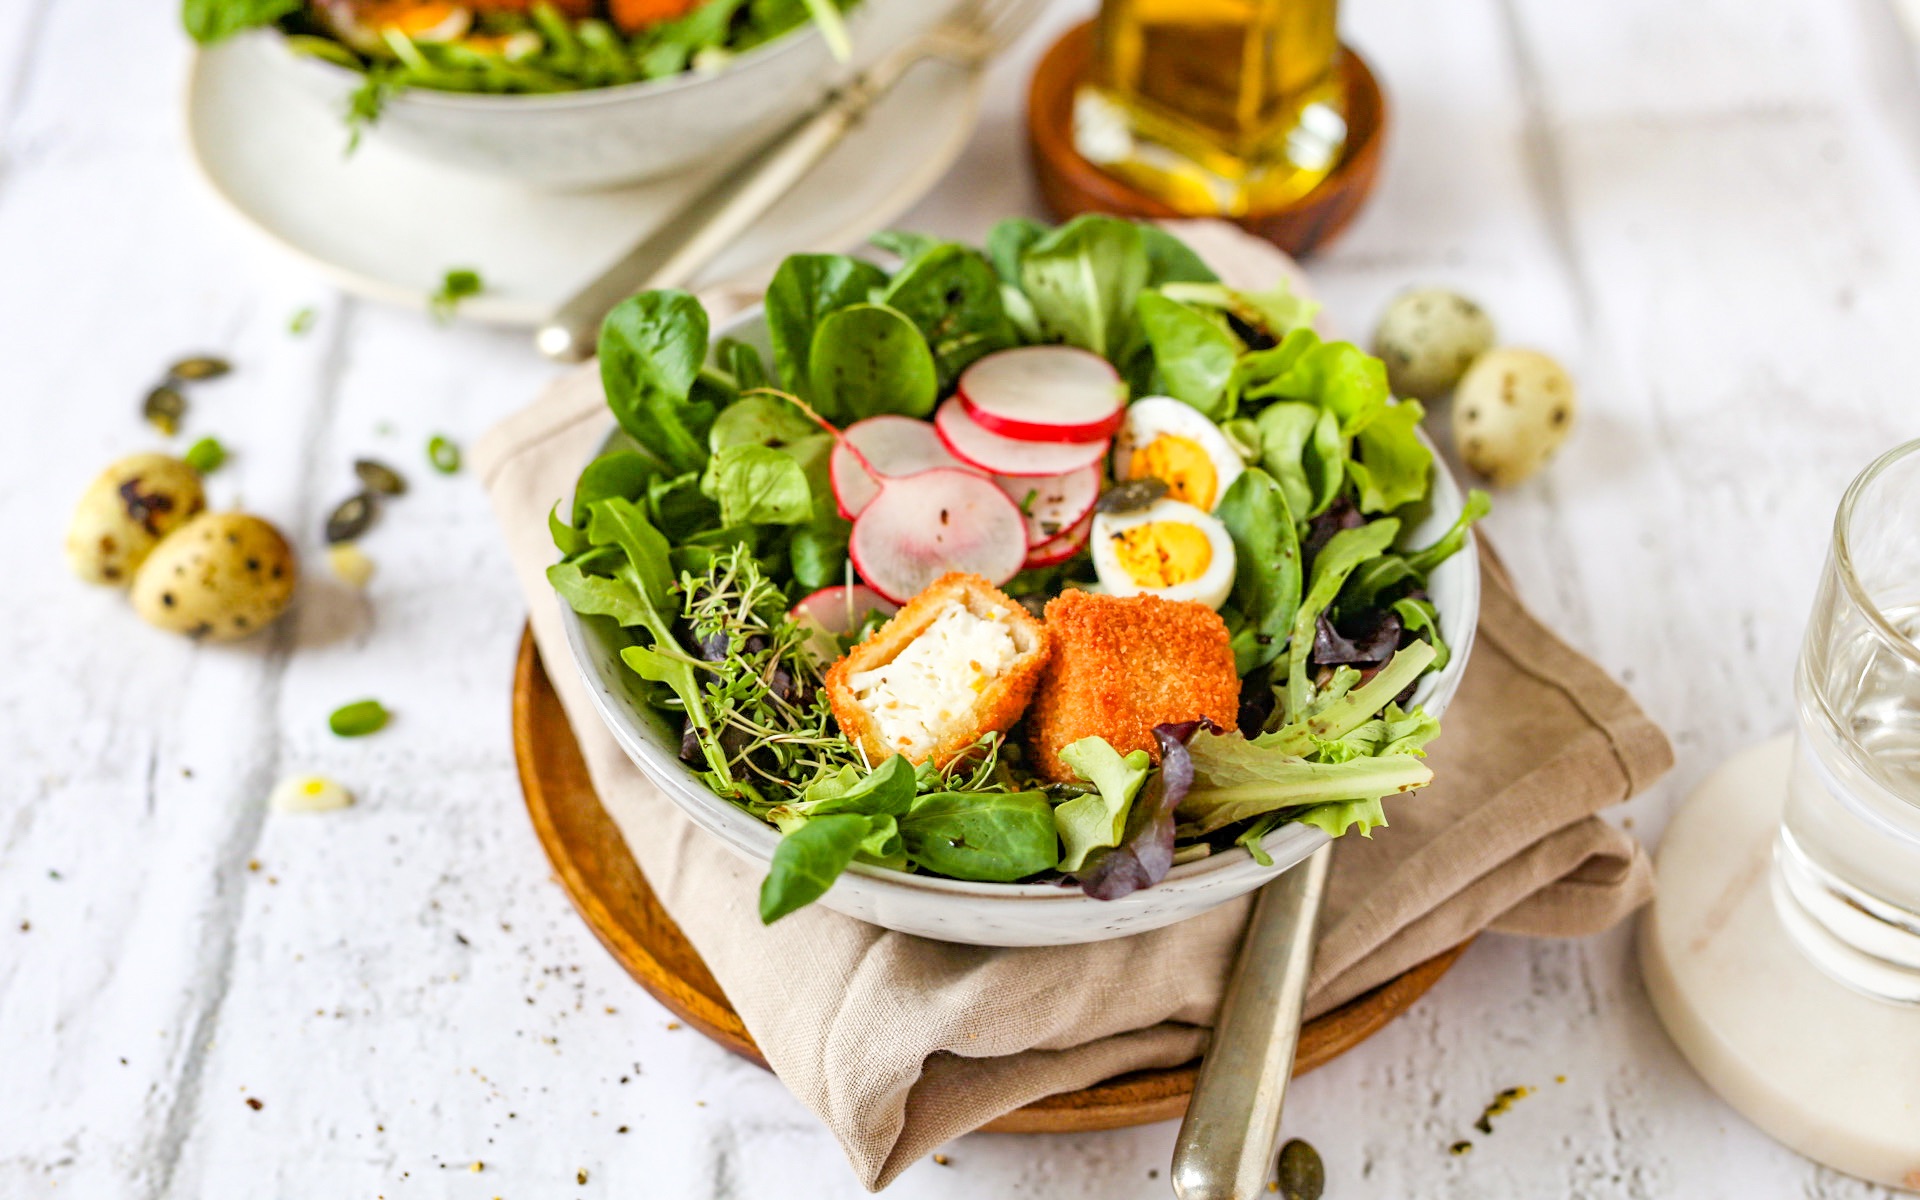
column 691, row 238
column 1232, row 1129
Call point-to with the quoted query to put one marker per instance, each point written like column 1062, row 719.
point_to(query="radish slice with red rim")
column 1053, row 504
column 990, row 452
column 842, row 609
column 1062, row 548
column 1045, row 394
column 921, row 526
column 881, row 448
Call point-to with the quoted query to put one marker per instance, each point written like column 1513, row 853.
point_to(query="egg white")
column 1210, row 588
column 1154, row 416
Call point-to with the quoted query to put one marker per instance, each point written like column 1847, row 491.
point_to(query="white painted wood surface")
column 1708, row 210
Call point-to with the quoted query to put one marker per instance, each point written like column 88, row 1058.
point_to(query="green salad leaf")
column 869, row 359
column 802, row 292
column 210, row 21
column 1195, row 353
column 1267, row 569
column 1083, row 280
column 991, row 837
column 1344, row 552
column 758, row 485
column 814, row 854
column 951, row 293
column 1098, row 820
column 651, row 349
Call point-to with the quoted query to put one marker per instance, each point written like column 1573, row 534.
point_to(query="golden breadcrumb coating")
column 1122, row 665
column 1000, row 703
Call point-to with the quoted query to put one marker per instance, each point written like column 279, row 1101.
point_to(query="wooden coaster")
column 593, row 865
column 1072, row 185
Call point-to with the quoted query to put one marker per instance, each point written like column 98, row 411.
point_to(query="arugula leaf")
column 678, row 508
column 1098, row 821
column 1337, row 559
column 1145, row 853
column 1423, row 561
column 1083, row 278
column 210, row 21
column 1170, row 260
column 619, row 522
column 869, row 359
column 952, row 294
column 1267, row 571
column 1195, row 355
column 651, row 349
column 566, row 538
column 758, row 485
column 803, row 291
column 811, row 857
column 991, row 837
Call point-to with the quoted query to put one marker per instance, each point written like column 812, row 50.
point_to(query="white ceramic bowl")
column 605, row 137
column 1000, row 914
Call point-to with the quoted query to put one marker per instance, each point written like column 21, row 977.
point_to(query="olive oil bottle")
column 1219, row 107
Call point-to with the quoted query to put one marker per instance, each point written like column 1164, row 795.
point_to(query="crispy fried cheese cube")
column 959, row 661
column 1122, row 665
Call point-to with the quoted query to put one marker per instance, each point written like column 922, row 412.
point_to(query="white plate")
column 387, row 225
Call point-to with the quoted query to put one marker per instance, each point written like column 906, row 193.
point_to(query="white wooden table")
column 1709, row 210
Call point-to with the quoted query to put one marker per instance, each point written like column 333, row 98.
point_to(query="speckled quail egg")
column 126, row 511
column 1428, row 338
column 1170, row 440
column 219, row 576
column 1167, row 549
column 1511, row 413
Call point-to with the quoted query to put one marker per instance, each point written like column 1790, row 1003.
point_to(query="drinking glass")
column 1846, row 865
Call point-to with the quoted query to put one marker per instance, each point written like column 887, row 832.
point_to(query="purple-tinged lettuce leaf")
column 1145, row 853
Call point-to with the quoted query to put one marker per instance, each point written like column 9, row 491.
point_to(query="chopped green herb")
column 302, row 322
column 206, row 455
column 358, row 719
column 443, row 454
column 1026, row 502
column 459, row 284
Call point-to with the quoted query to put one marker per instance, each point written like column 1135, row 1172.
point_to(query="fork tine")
column 1001, row 22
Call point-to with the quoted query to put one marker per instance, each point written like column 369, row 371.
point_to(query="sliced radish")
column 880, row 448
column 1053, row 503
column 1007, row 456
column 1045, row 394
column 1062, row 548
column 921, row 526
column 842, row 609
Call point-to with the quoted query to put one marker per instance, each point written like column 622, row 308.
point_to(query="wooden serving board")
column 593, row 865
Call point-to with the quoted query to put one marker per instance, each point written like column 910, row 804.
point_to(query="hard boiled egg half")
column 1169, row 440
column 1168, row 549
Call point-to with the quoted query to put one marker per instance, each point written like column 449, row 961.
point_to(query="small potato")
column 1511, row 413
column 125, row 512
column 219, row 576
column 1428, row 337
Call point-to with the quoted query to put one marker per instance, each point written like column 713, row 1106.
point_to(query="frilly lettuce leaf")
column 1099, row 820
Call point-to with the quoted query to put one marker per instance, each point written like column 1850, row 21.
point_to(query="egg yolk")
column 1160, row 554
column 425, row 19
column 1182, row 464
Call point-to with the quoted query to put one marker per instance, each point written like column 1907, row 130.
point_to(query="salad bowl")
column 1001, row 914
column 610, row 136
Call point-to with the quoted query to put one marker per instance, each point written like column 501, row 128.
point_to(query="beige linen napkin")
column 900, row 1044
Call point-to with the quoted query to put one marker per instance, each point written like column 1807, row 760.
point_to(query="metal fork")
column 671, row 254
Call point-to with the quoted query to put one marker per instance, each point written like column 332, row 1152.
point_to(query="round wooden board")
column 607, row 887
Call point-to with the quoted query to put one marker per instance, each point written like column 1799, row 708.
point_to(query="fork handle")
column 1226, row 1143
column 706, row 224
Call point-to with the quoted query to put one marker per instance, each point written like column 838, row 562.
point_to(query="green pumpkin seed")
column 1302, row 1175
column 443, row 454
column 358, row 719
column 1131, row 496
column 379, row 477
column 200, row 366
column 164, row 408
column 351, row 519
column 205, row 455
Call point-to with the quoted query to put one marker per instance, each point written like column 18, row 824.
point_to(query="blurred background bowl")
column 606, row 137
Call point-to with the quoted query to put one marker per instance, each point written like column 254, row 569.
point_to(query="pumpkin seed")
column 163, row 409
column 380, row 477
column 351, row 519
column 200, row 366
column 1302, row 1175
column 358, row 719
column 1131, row 496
